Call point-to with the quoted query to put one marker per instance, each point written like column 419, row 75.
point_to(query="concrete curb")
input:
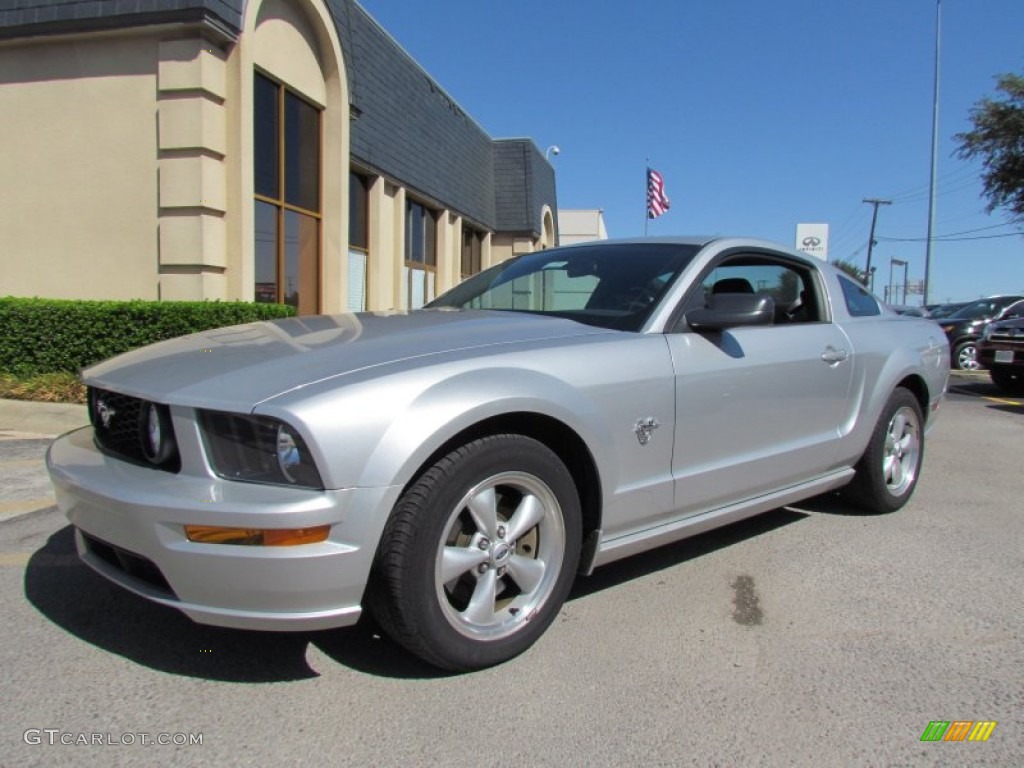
column 23, row 418
column 26, row 489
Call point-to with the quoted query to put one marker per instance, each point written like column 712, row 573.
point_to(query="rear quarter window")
column 859, row 302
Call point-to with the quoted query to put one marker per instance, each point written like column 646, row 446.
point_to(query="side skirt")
column 631, row 544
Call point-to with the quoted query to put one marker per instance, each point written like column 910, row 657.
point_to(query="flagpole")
column 647, row 181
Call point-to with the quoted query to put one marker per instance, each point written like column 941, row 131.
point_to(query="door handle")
column 833, row 356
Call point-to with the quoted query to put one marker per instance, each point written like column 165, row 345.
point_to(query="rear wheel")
column 479, row 554
column 887, row 472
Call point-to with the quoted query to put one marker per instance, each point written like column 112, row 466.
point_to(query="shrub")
column 53, row 335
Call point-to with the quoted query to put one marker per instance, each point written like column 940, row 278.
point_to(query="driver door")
column 758, row 408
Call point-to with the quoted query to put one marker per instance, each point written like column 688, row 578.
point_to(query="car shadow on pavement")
column 1008, row 408
column 85, row 605
column 671, row 555
column 835, row 503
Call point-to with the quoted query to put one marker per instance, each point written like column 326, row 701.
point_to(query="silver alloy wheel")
column 967, row 358
column 500, row 555
column 902, row 453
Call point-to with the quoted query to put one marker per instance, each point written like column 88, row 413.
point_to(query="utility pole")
column 874, row 217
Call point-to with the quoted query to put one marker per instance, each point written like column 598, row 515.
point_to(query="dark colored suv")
column 1001, row 350
column 965, row 326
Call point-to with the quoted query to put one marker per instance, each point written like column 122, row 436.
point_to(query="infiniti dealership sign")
column 813, row 239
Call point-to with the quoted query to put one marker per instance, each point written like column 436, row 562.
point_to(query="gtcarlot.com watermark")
column 57, row 737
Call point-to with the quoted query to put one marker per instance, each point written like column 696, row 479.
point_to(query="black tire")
column 479, row 554
column 888, row 471
column 1008, row 379
column 965, row 356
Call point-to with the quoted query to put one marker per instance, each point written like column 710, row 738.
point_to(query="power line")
column 921, row 190
column 948, row 239
column 953, row 234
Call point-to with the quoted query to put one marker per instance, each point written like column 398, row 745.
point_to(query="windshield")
column 609, row 285
column 982, row 309
column 945, row 310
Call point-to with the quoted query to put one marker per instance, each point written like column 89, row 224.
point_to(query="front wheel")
column 479, row 554
column 887, row 472
column 965, row 356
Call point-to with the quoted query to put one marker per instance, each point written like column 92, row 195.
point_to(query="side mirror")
column 731, row 310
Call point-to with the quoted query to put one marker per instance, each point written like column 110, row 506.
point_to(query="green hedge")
column 52, row 335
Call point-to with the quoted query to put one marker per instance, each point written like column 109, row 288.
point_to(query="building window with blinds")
column 358, row 240
column 420, row 270
column 472, row 247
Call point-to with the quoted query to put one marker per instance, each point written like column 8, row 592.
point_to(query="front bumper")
column 987, row 354
column 130, row 520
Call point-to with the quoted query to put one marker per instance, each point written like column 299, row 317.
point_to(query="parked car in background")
column 1001, row 350
column 453, row 469
column 965, row 326
column 935, row 311
column 903, row 309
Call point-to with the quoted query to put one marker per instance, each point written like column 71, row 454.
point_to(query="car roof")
column 669, row 240
column 699, row 241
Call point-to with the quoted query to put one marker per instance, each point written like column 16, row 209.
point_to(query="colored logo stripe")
column 958, row 730
column 982, row 730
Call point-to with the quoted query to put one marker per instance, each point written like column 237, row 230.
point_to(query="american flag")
column 657, row 200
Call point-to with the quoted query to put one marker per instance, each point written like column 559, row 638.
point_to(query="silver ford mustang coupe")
column 453, row 469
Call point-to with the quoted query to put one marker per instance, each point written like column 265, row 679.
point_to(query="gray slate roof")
column 22, row 18
column 408, row 127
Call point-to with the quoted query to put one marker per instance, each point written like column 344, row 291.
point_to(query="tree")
column 849, row 268
column 998, row 139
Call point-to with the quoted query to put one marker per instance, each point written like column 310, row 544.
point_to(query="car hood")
column 1006, row 325
column 237, row 367
column 956, row 325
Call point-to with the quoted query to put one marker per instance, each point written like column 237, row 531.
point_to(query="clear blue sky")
column 759, row 115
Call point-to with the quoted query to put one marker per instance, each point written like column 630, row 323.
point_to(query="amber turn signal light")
column 256, row 537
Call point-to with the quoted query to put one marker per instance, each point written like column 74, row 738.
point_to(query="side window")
column 859, row 302
column 791, row 286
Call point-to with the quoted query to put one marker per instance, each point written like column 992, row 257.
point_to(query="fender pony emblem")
column 644, row 428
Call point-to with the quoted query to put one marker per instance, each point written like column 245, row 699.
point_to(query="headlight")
column 258, row 449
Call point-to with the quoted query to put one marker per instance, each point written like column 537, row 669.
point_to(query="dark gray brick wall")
column 524, row 184
column 18, row 17
column 409, row 128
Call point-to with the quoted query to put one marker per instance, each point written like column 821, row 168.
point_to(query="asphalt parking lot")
column 808, row 636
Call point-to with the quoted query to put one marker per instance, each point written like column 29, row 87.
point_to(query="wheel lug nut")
column 483, row 568
column 483, row 544
column 501, row 532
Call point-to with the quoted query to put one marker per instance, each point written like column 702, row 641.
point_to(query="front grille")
column 1013, row 338
column 117, row 425
column 136, row 566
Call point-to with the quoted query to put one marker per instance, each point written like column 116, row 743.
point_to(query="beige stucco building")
column 581, row 225
column 270, row 150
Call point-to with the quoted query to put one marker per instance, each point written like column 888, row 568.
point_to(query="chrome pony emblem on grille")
column 105, row 413
column 644, row 428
